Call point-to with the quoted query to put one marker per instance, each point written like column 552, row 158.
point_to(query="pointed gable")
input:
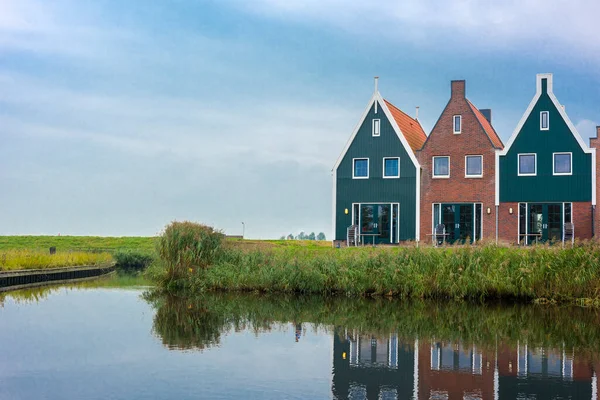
column 487, row 127
column 410, row 127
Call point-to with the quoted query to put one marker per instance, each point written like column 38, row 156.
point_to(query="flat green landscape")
column 77, row 243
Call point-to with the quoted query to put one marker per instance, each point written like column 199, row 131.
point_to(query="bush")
column 185, row 247
column 132, row 261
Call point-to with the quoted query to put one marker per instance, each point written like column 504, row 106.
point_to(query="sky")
column 118, row 117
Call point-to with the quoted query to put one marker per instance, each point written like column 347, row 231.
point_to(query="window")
column 562, row 164
column 457, row 124
column 391, row 167
column 567, row 210
column 441, row 167
column 527, row 165
column 544, row 120
column 376, row 127
column 474, row 166
column 361, row 168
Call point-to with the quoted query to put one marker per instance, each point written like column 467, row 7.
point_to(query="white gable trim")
column 383, row 107
column 565, row 118
column 558, row 106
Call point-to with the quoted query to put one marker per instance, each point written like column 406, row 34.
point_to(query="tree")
column 301, row 236
column 321, row 236
column 311, row 236
column 282, row 238
column 290, row 237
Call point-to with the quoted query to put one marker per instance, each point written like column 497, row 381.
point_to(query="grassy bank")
column 195, row 260
column 32, row 259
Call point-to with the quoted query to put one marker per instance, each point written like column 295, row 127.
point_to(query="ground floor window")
column 377, row 222
column 462, row 222
column 543, row 222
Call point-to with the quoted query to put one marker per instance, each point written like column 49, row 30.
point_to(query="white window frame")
column 547, row 120
column 519, row 164
column 553, row 166
column 456, row 132
column 383, row 168
column 376, row 133
column 433, row 175
column 474, row 176
column 354, row 169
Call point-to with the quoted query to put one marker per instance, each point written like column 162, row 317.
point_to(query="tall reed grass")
column 185, row 248
column 468, row 272
column 30, row 259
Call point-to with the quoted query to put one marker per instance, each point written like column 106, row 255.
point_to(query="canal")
column 86, row 342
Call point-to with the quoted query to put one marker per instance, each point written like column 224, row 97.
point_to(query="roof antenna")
column 417, row 112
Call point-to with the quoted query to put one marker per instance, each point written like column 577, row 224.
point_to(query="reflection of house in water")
column 367, row 367
column 372, row 368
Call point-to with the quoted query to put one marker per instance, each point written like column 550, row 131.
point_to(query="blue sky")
column 118, row 117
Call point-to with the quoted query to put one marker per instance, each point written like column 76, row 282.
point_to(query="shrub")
column 131, row 260
column 184, row 247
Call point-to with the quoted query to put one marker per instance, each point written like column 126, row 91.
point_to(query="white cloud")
column 551, row 24
column 587, row 129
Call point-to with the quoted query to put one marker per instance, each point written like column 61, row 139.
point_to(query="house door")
column 545, row 222
column 458, row 220
column 376, row 223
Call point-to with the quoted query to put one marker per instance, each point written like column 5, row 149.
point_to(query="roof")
column 410, row 127
column 487, row 127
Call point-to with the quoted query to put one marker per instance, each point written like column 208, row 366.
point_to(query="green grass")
column 31, row 259
column 77, row 243
column 479, row 272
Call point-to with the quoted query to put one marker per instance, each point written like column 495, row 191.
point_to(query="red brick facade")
column 473, row 140
column 508, row 224
column 595, row 143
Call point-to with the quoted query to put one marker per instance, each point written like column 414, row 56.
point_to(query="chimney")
column 458, row 89
column 487, row 113
column 417, row 112
column 376, row 84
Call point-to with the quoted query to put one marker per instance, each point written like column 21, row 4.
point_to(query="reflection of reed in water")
column 199, row 321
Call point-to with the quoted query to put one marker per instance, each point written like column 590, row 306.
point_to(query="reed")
column 489, row 271
column 32, row 259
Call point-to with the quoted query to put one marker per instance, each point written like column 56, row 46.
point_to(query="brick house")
column 458, row 162
column 546, row 174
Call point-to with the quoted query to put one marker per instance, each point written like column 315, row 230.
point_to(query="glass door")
column 465, row 222
column 449, row 221
column 536, row 223
column 554, row 224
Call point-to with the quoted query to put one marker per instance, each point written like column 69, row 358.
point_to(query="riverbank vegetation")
column 196, row 263
column 33, row 259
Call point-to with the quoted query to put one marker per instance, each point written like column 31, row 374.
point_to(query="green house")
column 376, row 178
column 546, row 173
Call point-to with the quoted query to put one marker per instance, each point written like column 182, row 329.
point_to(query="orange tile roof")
column 487, row 127
column 410, row 127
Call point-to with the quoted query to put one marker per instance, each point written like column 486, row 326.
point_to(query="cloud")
column 587, row 129
column 512, row 24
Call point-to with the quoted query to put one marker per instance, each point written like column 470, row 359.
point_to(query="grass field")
column 76, row 243
column 36, row 259
column 142, row 244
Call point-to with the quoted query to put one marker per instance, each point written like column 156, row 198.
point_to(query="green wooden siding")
column 376, row 189
column 545, row 187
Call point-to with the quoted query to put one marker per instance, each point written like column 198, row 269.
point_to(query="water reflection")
column 394, row 350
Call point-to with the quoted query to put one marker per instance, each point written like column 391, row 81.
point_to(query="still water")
column 103, row 343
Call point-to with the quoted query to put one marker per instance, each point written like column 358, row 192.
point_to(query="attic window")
column 376, row 127
column 544, row 120
column 457, row 124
